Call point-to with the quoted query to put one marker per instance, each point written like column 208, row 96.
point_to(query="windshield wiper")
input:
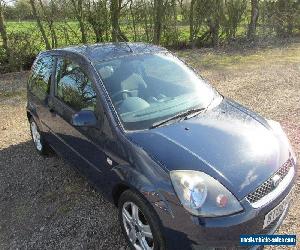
column 186, row 115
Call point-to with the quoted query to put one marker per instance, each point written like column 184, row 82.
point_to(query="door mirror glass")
column 84, row 118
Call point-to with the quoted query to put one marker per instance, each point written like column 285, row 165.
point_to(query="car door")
column 39, row 89
column 82, row 146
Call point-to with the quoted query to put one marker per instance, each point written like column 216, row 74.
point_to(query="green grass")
column 13, row 26
column 74, row 35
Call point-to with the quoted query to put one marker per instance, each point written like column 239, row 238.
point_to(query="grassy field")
column 45, row 204
column 69, row 32
column 183, row 30
column 13, row 26
column 25, row 39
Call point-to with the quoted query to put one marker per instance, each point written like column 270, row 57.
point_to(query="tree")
column 3, row 32
column 158, row 20
column 281, row 16
column 207, row 15
column 49, row 14
column 215, row 20
column 235, row 10
column 286, row 14
column 79, row 15
column 39, row 24
column 184, row 10
column 98, row 17
column 254, row 17
column 115, row 12
column 170, row 28
column 211, row 22
column 140, row 17
column 19, row 10
column 192, row 21
column 133, row 19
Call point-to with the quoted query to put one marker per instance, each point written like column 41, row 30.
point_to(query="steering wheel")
column 115, row 95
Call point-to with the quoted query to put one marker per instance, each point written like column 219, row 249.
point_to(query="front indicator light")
column 222, row 200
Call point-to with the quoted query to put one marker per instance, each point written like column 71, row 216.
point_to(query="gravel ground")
column 45, row 204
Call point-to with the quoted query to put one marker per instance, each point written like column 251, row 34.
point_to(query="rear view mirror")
column 84, row 118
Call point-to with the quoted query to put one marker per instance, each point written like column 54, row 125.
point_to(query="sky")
column 8, row 2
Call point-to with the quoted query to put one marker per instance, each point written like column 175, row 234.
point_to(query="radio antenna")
column 123, row 40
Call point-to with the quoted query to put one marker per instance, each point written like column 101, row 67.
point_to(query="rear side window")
column 74, row 87
column 39, row 82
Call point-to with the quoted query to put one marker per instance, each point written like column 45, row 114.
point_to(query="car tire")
column 138, row 226
column 38, row 141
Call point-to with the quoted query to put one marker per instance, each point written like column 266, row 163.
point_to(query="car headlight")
column 203, row 195
column 276, row 127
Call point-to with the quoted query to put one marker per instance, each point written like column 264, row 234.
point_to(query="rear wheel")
column 139, row 222
column 38, row 141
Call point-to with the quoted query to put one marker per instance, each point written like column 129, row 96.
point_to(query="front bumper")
column 185, row 231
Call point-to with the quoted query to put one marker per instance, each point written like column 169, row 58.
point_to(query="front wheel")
column 139, row 222
column 39, row 142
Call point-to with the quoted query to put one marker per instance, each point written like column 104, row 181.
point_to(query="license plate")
column 277, row 211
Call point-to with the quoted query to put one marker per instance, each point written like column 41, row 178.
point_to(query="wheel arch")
column 131, row 179
column 117, row 192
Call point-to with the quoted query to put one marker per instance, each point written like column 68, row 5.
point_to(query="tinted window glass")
column 160, row 68
column 40, row 78
column 74, row 87
column 148, row 88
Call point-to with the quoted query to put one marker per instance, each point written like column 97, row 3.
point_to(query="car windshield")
column 149, row 88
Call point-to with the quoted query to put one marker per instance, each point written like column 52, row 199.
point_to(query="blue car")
column 187, row 167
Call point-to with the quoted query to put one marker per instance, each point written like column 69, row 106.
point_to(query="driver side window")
column 73, row 86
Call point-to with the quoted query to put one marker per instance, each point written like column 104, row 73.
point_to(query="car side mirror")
column 84, row 118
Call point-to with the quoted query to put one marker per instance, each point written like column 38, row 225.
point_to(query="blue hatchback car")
column 186, row 167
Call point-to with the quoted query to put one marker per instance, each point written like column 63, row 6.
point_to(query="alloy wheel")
column 36, row 136
column 137, row 228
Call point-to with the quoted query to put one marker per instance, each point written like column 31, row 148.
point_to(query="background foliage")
column 29, row 26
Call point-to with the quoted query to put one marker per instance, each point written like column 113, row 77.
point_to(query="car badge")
column 276, row 179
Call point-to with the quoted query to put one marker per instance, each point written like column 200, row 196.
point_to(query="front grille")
column 267, row 187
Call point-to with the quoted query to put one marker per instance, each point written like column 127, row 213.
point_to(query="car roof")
column 105, row 51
